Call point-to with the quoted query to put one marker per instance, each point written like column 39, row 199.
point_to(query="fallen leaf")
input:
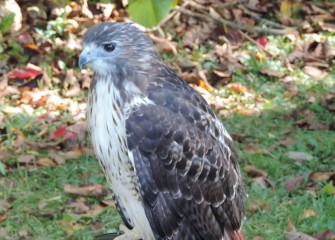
column 290, row 226
column 307, row 213
column 272, row 73
column 3, row 217
column 315, row 72
column 321, row 176
column 262, row 41
column 292, row 89
column 196, row 35
column 4, row 206
column 26, row 159
column 4, row 155
column 42, row 204
column 95, row 210
column 59, row 132
column 46, row 162
column 23, row 234
column 324, row 235
column 50, row 213
column 263, row 182
column 297, row 236
column 29, row 73
column 95, row 226
column 329, row 50
column 291, row 184
column 285, row 143
column 108, row 202
column 252, row 171
column 164, row 44
column 60, row 157
column 79, row 206
column 3, row 234
column 328, row 189
column 93, row 190
column 236, row 87
column 70, row 227
column 286, row 8
column 298, row 156
column 9, row 183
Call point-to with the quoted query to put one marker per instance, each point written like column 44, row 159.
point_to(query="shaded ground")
column 275, row 94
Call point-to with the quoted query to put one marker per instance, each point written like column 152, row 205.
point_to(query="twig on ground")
column 236, row 25
column 262, row 20
column 250, row 39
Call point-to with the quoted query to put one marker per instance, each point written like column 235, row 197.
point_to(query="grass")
column 39, row 203
column 269, row 210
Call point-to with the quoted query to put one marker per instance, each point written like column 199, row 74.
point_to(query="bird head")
column 111, row 48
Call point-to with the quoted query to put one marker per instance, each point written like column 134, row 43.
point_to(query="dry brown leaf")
column 329, row 50
column 4, row 155
column 3, row 217
column 293, row 89
column 46, row 162
column 95, row 210
column 247, row 112
column 307, row 213
column 272, row 73
column 108, row 202
column 290, row 226
column 8, row 183
column 252, row 171
column 42, row 204
column 26, row 159
column 315, row 72
column 60, row 157
column 79, row 206
column 106, row 8
column 298, row 156
column 4, row 206
column 324, row 235
column 196, row 35
column 291, row 184
column 94, row 190
column 164, row 44
column 23, row 234
column 297, row 236
column 285, row 143
column 321, row 176
column 70, row 227
column 50, row 213
column 236, row 87
column 263, row 182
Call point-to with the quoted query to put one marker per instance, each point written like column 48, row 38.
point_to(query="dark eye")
column 109, row 47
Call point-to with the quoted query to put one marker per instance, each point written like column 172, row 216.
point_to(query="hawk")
column 168, row 159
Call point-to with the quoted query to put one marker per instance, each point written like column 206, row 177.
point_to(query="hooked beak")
column 84, row 58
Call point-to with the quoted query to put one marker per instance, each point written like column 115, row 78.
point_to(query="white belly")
column 107, row 128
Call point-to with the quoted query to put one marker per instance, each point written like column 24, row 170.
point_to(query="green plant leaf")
column 148, row 13
column 2, row 169
column 328, row 188
column 6, row 22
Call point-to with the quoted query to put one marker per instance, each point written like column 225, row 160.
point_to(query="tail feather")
column 233, row 235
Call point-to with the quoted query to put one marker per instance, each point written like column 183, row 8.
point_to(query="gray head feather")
column 133, row 50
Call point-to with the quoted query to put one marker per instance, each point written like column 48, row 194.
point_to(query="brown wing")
column 188, row 175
